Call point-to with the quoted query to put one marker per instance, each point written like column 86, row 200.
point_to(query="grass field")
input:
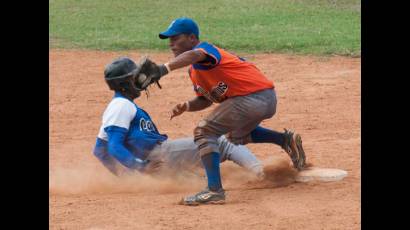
column 284, row 26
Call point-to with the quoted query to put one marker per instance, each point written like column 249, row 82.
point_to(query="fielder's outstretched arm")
column 155, row 72
column 185, row 59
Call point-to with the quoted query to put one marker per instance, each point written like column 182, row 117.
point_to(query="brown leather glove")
column 152, row 71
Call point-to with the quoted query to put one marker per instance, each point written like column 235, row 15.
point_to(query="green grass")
column 304, row 27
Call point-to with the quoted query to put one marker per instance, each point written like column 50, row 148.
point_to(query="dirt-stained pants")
column 236, row 117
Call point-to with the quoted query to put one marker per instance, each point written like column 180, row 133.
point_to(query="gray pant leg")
column 179, row 154
column 240, row 155
column 183, row 154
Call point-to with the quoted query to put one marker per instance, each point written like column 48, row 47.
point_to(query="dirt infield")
column 319, row 97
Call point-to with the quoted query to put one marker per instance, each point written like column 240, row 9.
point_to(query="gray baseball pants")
column 236, row 117
column 183, row 154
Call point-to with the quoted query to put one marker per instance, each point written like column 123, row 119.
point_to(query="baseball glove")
column 152, row 72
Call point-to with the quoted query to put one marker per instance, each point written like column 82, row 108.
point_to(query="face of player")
column 181, row 43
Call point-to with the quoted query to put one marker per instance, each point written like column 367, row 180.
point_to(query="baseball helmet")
column 121, row 74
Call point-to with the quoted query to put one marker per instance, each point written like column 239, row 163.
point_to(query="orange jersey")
column 223, row 75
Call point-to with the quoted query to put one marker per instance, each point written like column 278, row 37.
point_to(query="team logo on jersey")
column 217, row 93
column 146, row 125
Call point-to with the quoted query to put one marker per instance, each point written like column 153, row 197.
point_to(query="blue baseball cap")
column 180, row 26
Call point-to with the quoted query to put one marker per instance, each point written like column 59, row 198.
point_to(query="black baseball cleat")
column 205, row 197
column 293, row 147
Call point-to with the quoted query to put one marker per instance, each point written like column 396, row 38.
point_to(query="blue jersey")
column 140, row 135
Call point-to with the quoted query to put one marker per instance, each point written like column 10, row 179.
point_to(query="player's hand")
column 179, row 109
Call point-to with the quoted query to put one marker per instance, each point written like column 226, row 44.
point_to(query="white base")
column 320, row 174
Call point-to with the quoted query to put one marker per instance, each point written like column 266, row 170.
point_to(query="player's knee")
column 202, row 132
column 198, row 133
column 206, row 141
column 200, row 137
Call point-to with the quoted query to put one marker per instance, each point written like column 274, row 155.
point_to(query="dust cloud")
column 77, row 181
column 97, row 180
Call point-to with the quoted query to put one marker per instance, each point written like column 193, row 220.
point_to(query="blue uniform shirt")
column 127, row 134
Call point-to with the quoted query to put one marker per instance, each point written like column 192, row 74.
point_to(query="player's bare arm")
column 186, row 58
column 196, row 104
column 199, row 103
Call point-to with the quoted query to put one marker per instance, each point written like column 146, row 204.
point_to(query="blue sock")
column 262, row 135
column 211, row 165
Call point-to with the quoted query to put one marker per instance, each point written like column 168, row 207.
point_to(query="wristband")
column 167, row 66
column 163, row 70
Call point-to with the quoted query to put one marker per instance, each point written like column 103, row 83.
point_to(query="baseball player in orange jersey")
column 245, row 95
